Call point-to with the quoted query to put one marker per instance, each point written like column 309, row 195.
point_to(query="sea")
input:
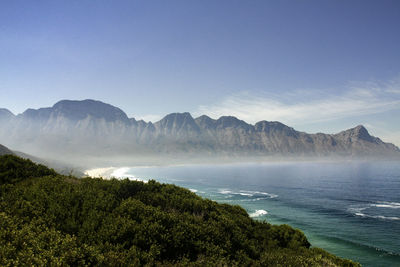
column 351, row 209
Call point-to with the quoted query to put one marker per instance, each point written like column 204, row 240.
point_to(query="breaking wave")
column 390, row 205
column 123, row 172
column 258, row 213
column 363, row 210
column 250, row 194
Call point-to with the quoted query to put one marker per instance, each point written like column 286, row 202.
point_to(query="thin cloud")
column 149, row 117
column 300, row 106
column 394, row 91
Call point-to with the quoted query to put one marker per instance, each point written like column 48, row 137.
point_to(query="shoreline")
column 112, row 172
column 91, row 164
column 100, row 172
column 121, row 171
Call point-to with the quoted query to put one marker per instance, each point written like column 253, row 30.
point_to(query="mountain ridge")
column 94, row 126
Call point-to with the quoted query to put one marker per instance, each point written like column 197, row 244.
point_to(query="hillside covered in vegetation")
column 50, row 219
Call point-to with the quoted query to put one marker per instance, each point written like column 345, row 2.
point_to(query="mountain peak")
column 178, row 115
column 362, row 133
column 275, row 126
column 265, row 125
column 360, row 127
column 78, row 110
column 174, row 118
column 358, row 132
column 231, row 121
column 205, row 122
column 178, row 121
column 204, row 117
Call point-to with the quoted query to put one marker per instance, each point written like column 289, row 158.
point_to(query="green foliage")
column 14, row 169
column 50, row 219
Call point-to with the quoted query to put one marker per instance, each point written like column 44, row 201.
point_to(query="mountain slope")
column 5, row 114
column 5, row 151
column 61, row 167
column 91, row 127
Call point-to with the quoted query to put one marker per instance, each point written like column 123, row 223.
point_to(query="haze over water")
column 350, row 209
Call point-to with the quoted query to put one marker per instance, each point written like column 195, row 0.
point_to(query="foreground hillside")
column 61, row 167
column 51, row 219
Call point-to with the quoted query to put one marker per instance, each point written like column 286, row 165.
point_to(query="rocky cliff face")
column 91, row 127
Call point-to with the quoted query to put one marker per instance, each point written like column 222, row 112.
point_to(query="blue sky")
column 314, row 65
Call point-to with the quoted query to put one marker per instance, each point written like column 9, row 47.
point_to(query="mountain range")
column 93, row 128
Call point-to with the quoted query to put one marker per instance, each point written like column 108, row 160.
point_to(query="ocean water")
column 351, row 209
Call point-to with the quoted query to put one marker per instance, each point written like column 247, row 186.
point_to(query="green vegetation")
column 50, row 219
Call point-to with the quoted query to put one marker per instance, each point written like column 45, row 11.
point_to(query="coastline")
column 112, row 172
column 123, row 171
column 100, row 172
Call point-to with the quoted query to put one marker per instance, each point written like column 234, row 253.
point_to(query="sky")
column 318, row 66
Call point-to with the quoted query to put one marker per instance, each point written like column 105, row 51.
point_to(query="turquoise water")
column 349, row 209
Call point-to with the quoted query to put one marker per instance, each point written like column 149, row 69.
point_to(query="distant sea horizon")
column 349, row 208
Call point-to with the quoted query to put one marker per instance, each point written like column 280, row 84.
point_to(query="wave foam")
column 254, row 199
column 100, row 172
column 389, row 205
column 392, row 218
column 123, row 172
column 358, row 211
column 247, row 193
column 258, row 213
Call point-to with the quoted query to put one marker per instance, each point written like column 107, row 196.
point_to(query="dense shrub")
column 14, row 169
